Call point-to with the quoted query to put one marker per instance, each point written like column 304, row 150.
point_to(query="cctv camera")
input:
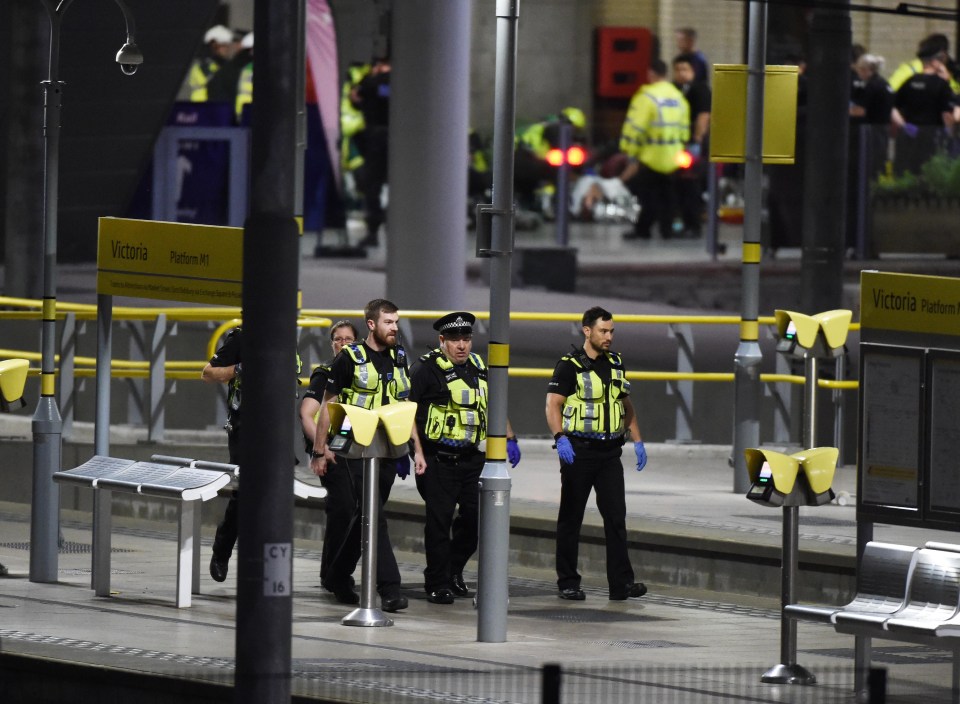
column 129, row 58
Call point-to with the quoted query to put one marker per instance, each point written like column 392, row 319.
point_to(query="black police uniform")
column 597, row 466
column 341, row 565
column 342, row 501
column 228, row 354
column 453, row 471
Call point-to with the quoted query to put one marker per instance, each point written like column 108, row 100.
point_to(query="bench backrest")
column 935, row 580
column 884, row 571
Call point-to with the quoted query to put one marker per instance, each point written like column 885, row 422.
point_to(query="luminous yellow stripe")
column 48, row 384
column 751, row 253
column 498, row 355
column 496, row 448
column 749, row 330
column 49, row 308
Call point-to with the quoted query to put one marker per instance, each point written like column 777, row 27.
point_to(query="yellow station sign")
column 910, row 303
column 170, row 261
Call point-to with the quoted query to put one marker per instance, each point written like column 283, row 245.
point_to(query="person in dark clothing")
column 372, row 98
column 589, row 414
column 342, row 497
column 691, row 182
column 922, row 106
column 225, row 368
column 449, row 385
column 369, row 375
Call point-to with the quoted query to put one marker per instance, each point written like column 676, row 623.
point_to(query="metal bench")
column 162, row 477
column 306, row 485
column 882, row 579
column 933, row 596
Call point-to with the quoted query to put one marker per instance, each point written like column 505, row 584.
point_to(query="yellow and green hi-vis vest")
column 596, row 409
column 462, row 421
column 367, row 389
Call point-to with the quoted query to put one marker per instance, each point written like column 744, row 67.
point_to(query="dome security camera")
column 129, row 58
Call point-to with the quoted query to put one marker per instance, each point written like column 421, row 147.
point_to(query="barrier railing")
column 151, row 378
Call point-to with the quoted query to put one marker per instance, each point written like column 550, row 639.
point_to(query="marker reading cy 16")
column 277, row 569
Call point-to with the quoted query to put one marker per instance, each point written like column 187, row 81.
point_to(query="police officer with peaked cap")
column 449, row 384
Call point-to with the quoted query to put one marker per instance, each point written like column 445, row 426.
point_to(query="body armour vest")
column 462, row 421
column 367, row 389
column 596, row 409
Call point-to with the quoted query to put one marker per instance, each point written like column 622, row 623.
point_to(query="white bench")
column 177, row 480
column 903, row 594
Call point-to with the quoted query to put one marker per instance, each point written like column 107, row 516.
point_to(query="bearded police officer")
column 370, row 374
column 449, row 385
column 589, row 413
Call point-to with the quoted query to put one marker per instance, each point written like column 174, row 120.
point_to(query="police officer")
column 342, row 497
column 225, row 368
column 449, row 385
column 370, row 374
column 589, row 413
column 654, row 133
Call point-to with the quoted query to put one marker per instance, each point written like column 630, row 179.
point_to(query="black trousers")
column 605, row 476
column 657, row 202
column 340, row 506
column 450, row 540
column 344, row 558
column 226, row 537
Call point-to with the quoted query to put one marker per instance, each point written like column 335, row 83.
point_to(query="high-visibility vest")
column 244, row 89
column 201, row 71
column 909, row 69
column 596, row 409
column 462, row 420
column 534, row 139
column 657, row 126
column 367, row 389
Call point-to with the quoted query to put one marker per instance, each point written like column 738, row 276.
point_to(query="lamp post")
column 47, row 423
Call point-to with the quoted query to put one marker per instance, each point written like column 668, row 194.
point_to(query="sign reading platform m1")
column 170, row 261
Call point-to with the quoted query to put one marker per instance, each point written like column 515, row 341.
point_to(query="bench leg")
column 197, row 515
column 100, row 549
column 956, row 677
column 862, row 655
column 185, row 557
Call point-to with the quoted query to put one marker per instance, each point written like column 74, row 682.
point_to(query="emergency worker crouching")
column 450, row 388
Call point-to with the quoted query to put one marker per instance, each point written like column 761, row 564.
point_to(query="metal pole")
column 563, row 187
column 713, row 224
column 788, row 671
column 271, row 250
column 495, row 482
column 747, row 386
column 367, row 614
column 47, row 424
column 102, row 498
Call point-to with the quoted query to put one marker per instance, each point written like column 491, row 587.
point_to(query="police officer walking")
column 449, row 385
column 589, row 413
column 342, row 496
column 225, row 368
column 369, row 375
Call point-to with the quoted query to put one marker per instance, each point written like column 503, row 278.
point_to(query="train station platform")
column 706, row 631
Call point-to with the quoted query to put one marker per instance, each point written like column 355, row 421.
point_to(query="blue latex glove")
column 565, row 450
column 641, row 455
column 513, row 452
column 910, row 129
column 694, row 149
column 402, row 465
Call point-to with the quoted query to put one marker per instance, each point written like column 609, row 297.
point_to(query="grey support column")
column 429, row 97
column 747, row 386
column 271, row 250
